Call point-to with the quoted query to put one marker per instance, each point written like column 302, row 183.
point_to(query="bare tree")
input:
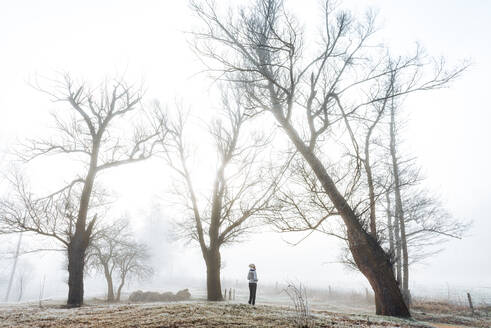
column 93, row 129
column 24, row 276
column 102, row 253
column 114, row 252
column 299, row 297
column 399, row 211
column 372, row 122
column 53, row 216
column 14, row 267
column 242, row 186
column 420, row 221
column 132, row 263
column 310, row 96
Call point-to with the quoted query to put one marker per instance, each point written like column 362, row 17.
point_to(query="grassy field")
column 274, row 310
column 186, row 314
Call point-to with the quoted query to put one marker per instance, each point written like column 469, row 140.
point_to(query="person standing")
column 252, row 277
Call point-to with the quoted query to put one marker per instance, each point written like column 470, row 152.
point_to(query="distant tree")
column 114, row 252
column 311, row 92
column 14, row 267
column 93, row 128
column 23, row 277
column 242, row 188
column 102, row 253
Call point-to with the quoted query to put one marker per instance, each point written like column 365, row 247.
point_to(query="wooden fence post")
column 470, row 302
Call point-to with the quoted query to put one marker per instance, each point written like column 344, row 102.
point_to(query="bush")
column 139, row 296
column 298, row 295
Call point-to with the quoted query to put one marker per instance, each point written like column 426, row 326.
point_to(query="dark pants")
column 252, row 293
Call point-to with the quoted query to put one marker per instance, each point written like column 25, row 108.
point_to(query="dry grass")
column 445, row 312
column 173, row 315
column 440, row 307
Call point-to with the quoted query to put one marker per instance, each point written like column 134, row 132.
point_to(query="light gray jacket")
column 252, row 276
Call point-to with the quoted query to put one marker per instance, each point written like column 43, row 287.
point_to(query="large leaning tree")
column 102, row 127
column 311, row 87
column 242, row 187
column 414, row 221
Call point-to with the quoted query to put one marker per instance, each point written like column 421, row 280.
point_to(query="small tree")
column 298, row 295
column 115, row 253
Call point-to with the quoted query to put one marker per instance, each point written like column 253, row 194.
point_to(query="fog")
column 147, row 42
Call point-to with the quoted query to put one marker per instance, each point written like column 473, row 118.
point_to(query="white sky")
column 449, row 129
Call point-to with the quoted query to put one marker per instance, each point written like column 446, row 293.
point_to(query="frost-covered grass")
column 185, row 314
column 445, row 312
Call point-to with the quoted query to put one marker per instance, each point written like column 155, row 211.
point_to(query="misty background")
column 447, row 130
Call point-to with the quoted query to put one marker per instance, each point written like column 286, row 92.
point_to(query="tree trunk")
column 405, row 263
column 80, row 240
column 369, row 256
column 374, row 263
column 21, row 288
column 14, row 267
column 120, row 288
column 397, row 237
column 399, row 209
column 371, row 187
column 76, row 262
column 109, row 280
column 389, row 225
column 213, row 284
